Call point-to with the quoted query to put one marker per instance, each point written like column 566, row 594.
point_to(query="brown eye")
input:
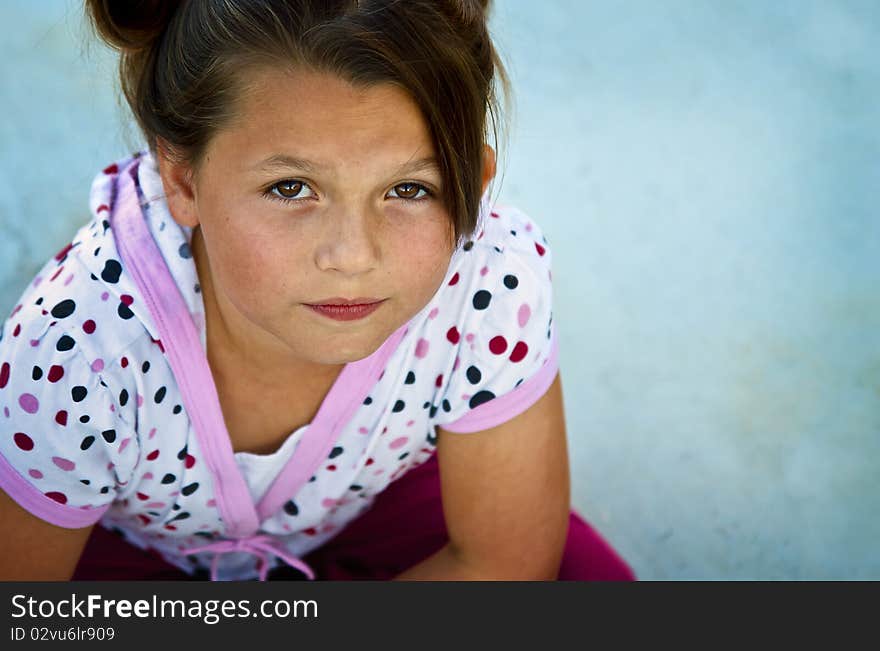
column 408, row 191
column 289, row 189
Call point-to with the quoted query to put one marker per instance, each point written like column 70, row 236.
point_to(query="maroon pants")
column 404, row 526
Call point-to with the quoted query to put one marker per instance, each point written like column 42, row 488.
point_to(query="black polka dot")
column 480, row 397
column 123, row 311
column 39, row 301
column 468, row 246
column 63, row 309
column 177, row 409
column 78, row 393
column 184, row 251
column 96, row 252
column 37, row 373
column 111, row 272
column 497, row 249
column 513, row 233
column 410, row 378
column 105, row 490
column 426, row 405
column 511, row 281
column 160, row 395
column 145, row 367
column 355, row 487
column 87, row 443
column 403, row 456
column 431, row 438
column 482, row 299
column 400, row 405
column 290, row 508
column 182, row 454
column 123, row 398
column 85, row 481
column 368, row 400
column 433, row 411
column 179, row 516
column 198, row 288
column 335, row 452
column 474, row 375
column 168, row 478
column 446, row 406
column 109, row 435
column 65, row 343
column 189, row 489
column 84, row 418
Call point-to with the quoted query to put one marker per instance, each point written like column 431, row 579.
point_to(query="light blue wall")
column 708, row 175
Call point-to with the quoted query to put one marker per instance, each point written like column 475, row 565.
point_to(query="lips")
column 336, row 300
column 347, row 311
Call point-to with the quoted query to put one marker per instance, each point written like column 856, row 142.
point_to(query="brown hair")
column 183, row 65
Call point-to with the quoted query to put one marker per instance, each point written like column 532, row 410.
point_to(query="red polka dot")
column 103, row 206
column 143, row 497
column 124, row 362
column 56, row 372
column 369, row 462
column 454, row 279
column 144, row 518
column 23, row 441
column 111, row 169
column 17, row 330
column 89, row 327
column 439, row 381
column 153, row 455
column 311, row 531
column 494, row 214
column 498, row 345
column 452, row 335
column 63, row 252
column 61, row 418
column 190, row 461
column 4, row 375
column 519, row 351
column 61, row 498
column 125, row 298
column 331, row 467
column 540, row 249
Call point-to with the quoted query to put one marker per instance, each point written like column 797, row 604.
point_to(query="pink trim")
column 349, row 390
column 143, row 260
column 45, row 508
column 502, row 409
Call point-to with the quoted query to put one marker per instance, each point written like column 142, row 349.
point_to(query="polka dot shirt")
column 94, row 427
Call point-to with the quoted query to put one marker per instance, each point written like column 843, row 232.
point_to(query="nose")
column 349, row 243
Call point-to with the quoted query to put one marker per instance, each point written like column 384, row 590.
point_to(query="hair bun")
column 130, row 24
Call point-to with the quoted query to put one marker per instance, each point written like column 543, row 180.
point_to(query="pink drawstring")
column 260, row 546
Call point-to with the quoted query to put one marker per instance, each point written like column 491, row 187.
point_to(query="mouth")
column 342, row 309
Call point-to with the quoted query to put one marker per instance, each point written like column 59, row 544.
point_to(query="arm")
column 34, row 550
column 506, row 498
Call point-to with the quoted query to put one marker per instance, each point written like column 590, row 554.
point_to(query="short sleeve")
column 508, row 349
column 65, row 450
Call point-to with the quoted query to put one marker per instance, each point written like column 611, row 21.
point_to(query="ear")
column 177, row 179
column 488, row 166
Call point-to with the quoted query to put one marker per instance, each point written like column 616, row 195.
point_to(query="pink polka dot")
column 67, row 280
column 140, row 400
column 147, row 475
column 469, row 337
column 6, row 411
column 65, row 464
column 29, row 403
column 455, row 365
column 155, row 505
column 37, row 280
column 105, row 296
column 410, row 423
column 465, row 396
column 35, row 343
column 328, row 503
column 422, row 348
column 98, row 365
column 484, row 271
column 152, row 433
column 433, row 313
column 523, row 315
column 211, row 502
column 124, row 444
column 398, row 442
column 36, row 474
column 363, row 430
column 529, row 227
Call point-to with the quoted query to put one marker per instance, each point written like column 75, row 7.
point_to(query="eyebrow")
column 277, row 161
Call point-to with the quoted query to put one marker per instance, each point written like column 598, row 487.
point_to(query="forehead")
column 322, row 117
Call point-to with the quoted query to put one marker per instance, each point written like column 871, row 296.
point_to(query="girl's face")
column 317, row 191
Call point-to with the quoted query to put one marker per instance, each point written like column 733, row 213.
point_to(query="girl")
column 295, row 321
